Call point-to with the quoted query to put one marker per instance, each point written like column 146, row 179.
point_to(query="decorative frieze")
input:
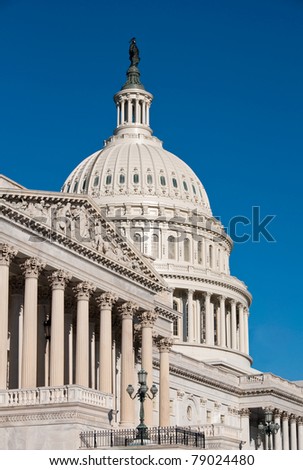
column 75, row 223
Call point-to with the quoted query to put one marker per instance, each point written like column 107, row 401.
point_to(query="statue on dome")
column 134, row 52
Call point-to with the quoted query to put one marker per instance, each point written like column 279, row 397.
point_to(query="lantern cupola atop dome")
column 133, row 101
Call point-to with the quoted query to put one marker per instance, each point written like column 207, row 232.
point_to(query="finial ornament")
column 133, row 73
column 134, row 52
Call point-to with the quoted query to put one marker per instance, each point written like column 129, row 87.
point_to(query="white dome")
column 134, row 165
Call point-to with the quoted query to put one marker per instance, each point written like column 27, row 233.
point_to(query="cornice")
column 212, row 282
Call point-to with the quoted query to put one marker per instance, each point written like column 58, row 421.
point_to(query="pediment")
column 78, row 223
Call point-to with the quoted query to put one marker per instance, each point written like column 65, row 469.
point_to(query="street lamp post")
column 269, row 428
column 142, row 393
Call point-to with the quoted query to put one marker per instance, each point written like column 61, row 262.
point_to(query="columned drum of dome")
column 161, row 206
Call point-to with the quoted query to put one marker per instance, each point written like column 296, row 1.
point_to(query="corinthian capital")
column 32, row 267
column 164, row 343
column 127, row 309
column 7, row 253
column 83, row 290
column 106, row 300
column 147, row 318
column 59, row 279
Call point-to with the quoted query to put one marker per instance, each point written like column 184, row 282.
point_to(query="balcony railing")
column 157, row 436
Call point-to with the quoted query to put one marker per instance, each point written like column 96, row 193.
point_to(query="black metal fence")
column 159, row 436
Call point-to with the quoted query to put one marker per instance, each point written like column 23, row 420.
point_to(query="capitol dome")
column 133, row 163
column 131, row 166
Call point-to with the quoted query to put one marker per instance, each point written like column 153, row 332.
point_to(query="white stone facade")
column 127, row 267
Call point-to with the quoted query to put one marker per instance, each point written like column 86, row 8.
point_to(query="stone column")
column 246, row 334
column 198, row 322
column 293, row 432
column 241, row 329
column 6, row 254
column 233, row 325
column 244, row 415
column 209, row 321
column 222, row 342
column 190, row 316
column 285, row 432
column 277, row 436
column 147, row 320
column 164, row 345
column 300, row 433
column 31, row 269
column 58, row 281
column 83, row 292
column 105, row 302
column 126, row 311
column 15, row 328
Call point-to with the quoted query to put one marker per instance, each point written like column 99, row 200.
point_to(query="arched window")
column 185, row 186
column 162, row 180
column 96, row 180
column 121, row 178
column 149, row 179
column 108, row 179
column 75, row 187
column 175, row 327
column 175, row 183
column 155, row 246
column 138, row 241
column 136, row 178
column 194, row 189
column 187, row 250
column 172, row 245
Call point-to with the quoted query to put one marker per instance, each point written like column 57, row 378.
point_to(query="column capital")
column 32, row 267
column 83, row 290
column 164, row 343
column 127, row 309
column 207, row 294
column 59, row 279
column 7, row 253
column 277, row 413
column 147, row 318
column 106, row 300
column 284, row 415
column 300, row 420
column 293, row 418
column 233, row 302
column 244, row 412
column 222, row 298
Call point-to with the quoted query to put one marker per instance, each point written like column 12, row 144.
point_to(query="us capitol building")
column 125, row 268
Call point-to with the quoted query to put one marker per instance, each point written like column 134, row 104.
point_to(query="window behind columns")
column 200, row 255
column 155, row 246
column 172, row 246
column 187, row 250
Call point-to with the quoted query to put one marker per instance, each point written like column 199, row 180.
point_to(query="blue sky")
column 227, row 79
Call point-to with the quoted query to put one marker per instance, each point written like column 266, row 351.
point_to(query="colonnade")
column 133, row 109
column 84, row 292
column 290, row 432
column 213, row 320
